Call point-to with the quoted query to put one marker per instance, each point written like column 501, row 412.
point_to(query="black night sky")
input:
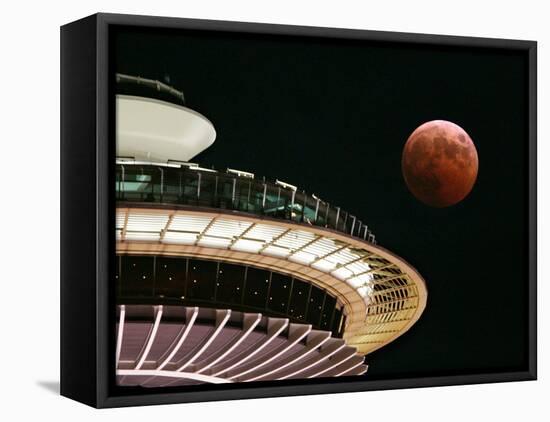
column 332, row 117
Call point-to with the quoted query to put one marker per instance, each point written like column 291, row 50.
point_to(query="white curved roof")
column 158, row 131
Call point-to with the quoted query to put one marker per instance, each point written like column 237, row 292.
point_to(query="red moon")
column 439, row 163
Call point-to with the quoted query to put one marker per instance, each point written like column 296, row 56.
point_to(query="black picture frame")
column 87, row 213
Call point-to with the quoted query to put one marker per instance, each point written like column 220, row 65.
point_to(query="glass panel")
column 170, row 277
column 257, row 283
column 201, row 279
column 118, row 284
column 118, row 183
column 256, row 197
column 309, row 210
column 297, row 212
column 201, row 282
column 276, row 202
column 254, row 200
column 207, row 195
column 359, row 228
column 157, row 182
column 243, row 192
column 286, row 203
column 142, row 183
column 279, row 293
column 343, row 221
column 137, row 276
column 137, row 184
column 225, row 192
column 315, row 306
column 229, row 288
column 322, row 214
column 331, row 221
column 190, row 182
column 172, row 185
column 328, row 309
column 298, row 299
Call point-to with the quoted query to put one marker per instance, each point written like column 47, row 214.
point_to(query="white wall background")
column 29, row 94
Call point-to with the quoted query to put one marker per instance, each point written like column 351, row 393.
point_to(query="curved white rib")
column 331, row 367
column 235, row 345
column 276, row 355
column 205, row 345
column 257, row 350
column 314, row 362
column 294, row 358
column 363, row 371
column 151, row 338
column 189, row 325
column 172, row 374
column 339, row 374
column 120, row 333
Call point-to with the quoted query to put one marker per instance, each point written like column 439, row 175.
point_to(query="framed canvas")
column 254, row 210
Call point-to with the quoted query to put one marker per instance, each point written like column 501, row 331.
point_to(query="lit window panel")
column 227, row 228
column 295, row 239
column 322, row 247
column 358, row 267
column 378, row 261
column 364, row 291
column 265, row 232
column 334, row 258
column 355, row 283
column 276, row 251
column 342, row 273
column 120, row 219
column 142, row 236
column 361, row 279
column 246, row 245
column 324, row 265
column 180, row 238
column 344, row 256
column 138, row 222
column 302, row 257
column 214, row 242
column 189, row 223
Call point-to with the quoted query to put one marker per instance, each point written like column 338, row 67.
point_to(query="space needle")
column 223, row 276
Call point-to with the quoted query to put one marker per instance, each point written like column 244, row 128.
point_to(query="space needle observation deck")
column 223, row 276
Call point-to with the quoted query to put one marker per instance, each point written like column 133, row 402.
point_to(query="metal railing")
column 150, row 83
column 232, row 190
